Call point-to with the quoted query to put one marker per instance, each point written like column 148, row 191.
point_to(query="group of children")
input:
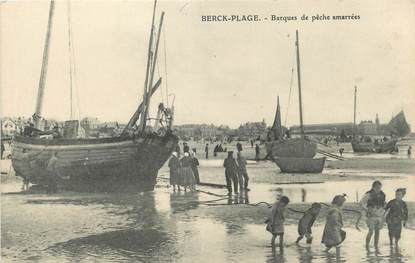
column 395, row 213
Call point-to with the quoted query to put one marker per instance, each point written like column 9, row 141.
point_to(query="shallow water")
column 162, row 226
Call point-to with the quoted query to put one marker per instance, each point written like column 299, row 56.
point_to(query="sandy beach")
column 164, row 226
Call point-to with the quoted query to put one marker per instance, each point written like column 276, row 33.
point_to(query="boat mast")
column 41, row 88
column 299, row 84
column 148, row 69
column 153, row 67
column 354, row 113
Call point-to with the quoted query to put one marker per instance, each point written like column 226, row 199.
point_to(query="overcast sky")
column 221, row 73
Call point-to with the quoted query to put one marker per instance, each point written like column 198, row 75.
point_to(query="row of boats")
column 134, row 158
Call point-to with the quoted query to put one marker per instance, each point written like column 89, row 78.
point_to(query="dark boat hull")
column 300, row 165
column 291, row 148
column 370, row 147
column 108, row 164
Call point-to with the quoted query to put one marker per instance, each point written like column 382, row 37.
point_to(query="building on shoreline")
column 397, row 126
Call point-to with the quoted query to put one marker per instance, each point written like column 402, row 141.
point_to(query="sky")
column 220, row 72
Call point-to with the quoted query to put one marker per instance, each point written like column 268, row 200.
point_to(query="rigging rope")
column 72, row 66
column 291, row 86
column 165, row 66
column 289, row 96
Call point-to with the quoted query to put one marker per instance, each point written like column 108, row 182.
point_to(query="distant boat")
column 127, row 162
column 365, row 144
column 293, row 155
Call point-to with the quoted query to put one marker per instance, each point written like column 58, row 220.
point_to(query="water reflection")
column 143, row 237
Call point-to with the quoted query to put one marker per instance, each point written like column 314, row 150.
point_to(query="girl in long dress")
column 275, row 222
column 188, row 179
column 333, row 234
column 174, row 165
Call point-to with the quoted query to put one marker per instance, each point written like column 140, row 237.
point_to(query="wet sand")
column 166, row 226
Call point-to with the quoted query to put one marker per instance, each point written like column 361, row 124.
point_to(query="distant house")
column 252, row 129
column 8, row 127
column 91, row 123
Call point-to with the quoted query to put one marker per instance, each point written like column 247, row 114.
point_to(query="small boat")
column 293, row 155
column 375, row 146
column 129, row 161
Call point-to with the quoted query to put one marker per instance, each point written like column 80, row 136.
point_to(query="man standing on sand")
column 257, row 152
column 409, row 151
column 373, row 204
column 231, row 173
column 242, row 172
column 239, row 146
column 207, row 151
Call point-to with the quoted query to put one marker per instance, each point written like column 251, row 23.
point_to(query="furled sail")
column 276, row 129
column 399, row 126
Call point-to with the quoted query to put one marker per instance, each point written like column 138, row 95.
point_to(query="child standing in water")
column 396, row 214
column 307, row 221
column 333, row 234
column 275, row 222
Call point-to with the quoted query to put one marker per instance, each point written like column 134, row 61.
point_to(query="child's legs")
column 281, row 239
column 299, row 238
column 309, row 238
column 378, row 226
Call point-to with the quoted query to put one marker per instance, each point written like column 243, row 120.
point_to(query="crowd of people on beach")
column 184, row 171
column 373, row 205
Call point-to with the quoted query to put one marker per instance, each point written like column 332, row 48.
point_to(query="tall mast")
column 153, row 64
column 297, row 43
column 149, row 62
column 354, row 113
column 41, row 88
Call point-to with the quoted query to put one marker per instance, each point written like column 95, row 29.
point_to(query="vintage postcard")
column 207, row 131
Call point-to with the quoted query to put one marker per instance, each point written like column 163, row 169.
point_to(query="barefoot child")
column 333, row 234
column 275, row 223
column 396, row 214
column 307, row 221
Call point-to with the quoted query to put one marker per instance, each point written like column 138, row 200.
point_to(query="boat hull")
column 291, row 148
column 370, row 147
column 108, row 164
column 300, row 165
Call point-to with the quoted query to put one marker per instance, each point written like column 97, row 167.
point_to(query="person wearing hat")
column 187, row 176
column 396, row 214
column 231, row 173
column 174, row 165
column 333, row 235
column 373, row 203
column 243, row 177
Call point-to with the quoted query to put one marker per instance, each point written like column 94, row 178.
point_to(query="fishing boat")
column 129, row 161
column 369, row 145
column 293, row 155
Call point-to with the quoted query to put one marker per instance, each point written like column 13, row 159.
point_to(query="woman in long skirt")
column 333, row 234
column 187, row 177
column 174, row 165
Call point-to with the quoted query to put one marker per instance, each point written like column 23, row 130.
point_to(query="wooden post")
column 44, row 69
column 299, row 83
